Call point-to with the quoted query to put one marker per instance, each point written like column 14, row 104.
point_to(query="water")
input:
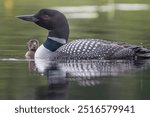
column 82, row 79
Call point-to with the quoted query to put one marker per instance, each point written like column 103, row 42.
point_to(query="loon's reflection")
column 90, row 73
column 57, row 84
column 91, row 69
column 85, row 73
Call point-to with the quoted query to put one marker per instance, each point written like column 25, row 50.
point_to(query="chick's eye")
column 45, row 17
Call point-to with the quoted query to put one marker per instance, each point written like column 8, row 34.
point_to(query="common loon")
column 56, row 45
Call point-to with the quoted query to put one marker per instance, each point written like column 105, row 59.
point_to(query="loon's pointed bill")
column 29, row 18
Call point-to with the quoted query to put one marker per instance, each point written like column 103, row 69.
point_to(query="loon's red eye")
column 45, row 17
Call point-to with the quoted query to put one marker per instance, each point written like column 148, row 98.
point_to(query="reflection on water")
column 68, row 79
column 85, row 73
column 90, row 70
column 57, row 84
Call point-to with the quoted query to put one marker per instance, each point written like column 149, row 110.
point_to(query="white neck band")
column 59, row 40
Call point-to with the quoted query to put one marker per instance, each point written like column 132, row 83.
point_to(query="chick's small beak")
column 29, row 18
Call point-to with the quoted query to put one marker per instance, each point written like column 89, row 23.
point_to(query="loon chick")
column 56, row 45
column 33, row 45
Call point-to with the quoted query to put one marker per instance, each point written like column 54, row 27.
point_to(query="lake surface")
column 121, row 21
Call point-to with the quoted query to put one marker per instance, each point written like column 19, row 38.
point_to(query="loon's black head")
column 52, row 20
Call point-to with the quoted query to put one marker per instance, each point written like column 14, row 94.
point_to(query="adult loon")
column 56, row 45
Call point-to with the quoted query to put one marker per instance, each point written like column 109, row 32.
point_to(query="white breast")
column 42, row 56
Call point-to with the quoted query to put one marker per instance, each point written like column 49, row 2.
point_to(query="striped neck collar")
column 53, row 43
column 59, row 40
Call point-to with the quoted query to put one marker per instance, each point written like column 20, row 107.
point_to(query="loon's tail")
column 141, row 53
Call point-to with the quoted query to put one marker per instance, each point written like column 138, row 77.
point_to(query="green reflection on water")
column 126, row 26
